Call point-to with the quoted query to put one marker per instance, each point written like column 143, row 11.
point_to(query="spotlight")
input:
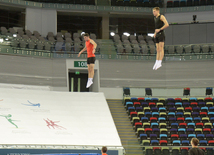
column 135, row 34
column 150, row 34
column 126, row 34
column 1, row 40
column 14, row 35
column 112, row 34
column 6, row 39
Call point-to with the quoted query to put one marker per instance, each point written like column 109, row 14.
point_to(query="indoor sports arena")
column 106, row 77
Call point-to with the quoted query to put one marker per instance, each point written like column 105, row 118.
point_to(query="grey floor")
column 113, row 73
column 171, row 74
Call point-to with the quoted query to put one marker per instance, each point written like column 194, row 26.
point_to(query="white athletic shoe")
column 89, row 83
column 154, row 66
column 158, row 66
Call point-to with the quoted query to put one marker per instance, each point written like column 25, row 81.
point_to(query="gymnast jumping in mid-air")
column 159, row 36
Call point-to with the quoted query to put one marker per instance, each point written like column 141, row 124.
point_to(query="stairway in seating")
column 124, row 127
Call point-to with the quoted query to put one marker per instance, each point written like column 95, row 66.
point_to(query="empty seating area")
column 172, row 121
column 56, row 43
column 137, row 3
column 145, row 45
column 134, row 44
column 82, row 2
column 185, row 3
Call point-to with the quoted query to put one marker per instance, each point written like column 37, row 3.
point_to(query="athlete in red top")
column 90, row 46
column 104, row 150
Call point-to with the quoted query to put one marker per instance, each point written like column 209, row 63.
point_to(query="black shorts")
column 160, row 37
column 91, row 60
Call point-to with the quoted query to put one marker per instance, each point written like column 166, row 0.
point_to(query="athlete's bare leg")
column 157, row 55
column 91, row 66
column 161, row 47
column 161, row 55
column 89, row 71
column 90, row 75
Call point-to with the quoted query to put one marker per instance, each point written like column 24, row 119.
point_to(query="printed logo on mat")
column 53, row 125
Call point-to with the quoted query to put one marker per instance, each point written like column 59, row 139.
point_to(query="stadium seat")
column 156, row 131
column 133, row 114
column 146, row 125
column 178, row 104
column 208, row 99
column 191, row 125
column 183, row 137
column 197, row 119
column 143, row 137
column 172, row 109
column 155, row 114
column 154, row 125
column 201, row 104
column 174, row 137
column 148, row 131
column 181, row 131
column 163, row 137
column 171, row 115
column 209, row 137
column 187, row 114
column 131, row 109
column 174, row 125
column 180, row 120
column 136, row 104
column 146, row 109
column 159, row 105
column 165, row 150
column 188, row 109
column 138, row 125
column 162, row 125
column 211, row 109
column 172, row 120
column 203, row 143
column 153, row 137
column 180, row 109
column 162, row 120
column 173, row 131
column 139, row 109
column 206, row 131
column 163, row 142
column 185, row 142
column 144, row 119
column 195, row 114
column 144, row 104
column 163, row 131
column 198, row 131
column 211, row 114
column 204, row 109
column 146, row 142
column 153, row 120
column 186, row 104
column 200, row 136
column 205, row 119
column 209, row 104
column 188, row 120
column 134, row 120
column 140, row 131
column 162, row 109
column 176, row 143
column 208, row 125
column 190, row 136
column 199, row 125
column 196, row 109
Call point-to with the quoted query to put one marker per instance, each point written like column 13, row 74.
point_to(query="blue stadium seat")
column 163, row 137
column 176, row 143
column 200, row 136
column 174, row 125
column 183, row 137
column 185, row 142
column 162, row 109
column 154, row 125
column 188, row 120
column 162, row 120
column 181, row 131
column 143, row 136
column 203, row 142
column 190, row 136
column 178, row 104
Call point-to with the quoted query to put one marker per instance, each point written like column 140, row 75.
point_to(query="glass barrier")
column 48, row 49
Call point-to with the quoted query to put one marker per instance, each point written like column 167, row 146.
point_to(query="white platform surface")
column 85, row 118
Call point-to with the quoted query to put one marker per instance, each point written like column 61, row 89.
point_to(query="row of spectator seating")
column 184, row 3
column 58, row 42
column 171, row 121
column 137, row 3
column 82, row 2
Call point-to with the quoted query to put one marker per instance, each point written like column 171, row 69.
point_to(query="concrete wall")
column 41, row 20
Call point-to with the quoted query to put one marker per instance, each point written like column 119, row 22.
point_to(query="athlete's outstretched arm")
column 83, row 50
column 95, row 45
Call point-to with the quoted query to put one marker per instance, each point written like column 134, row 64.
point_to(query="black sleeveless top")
column 158, row 23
